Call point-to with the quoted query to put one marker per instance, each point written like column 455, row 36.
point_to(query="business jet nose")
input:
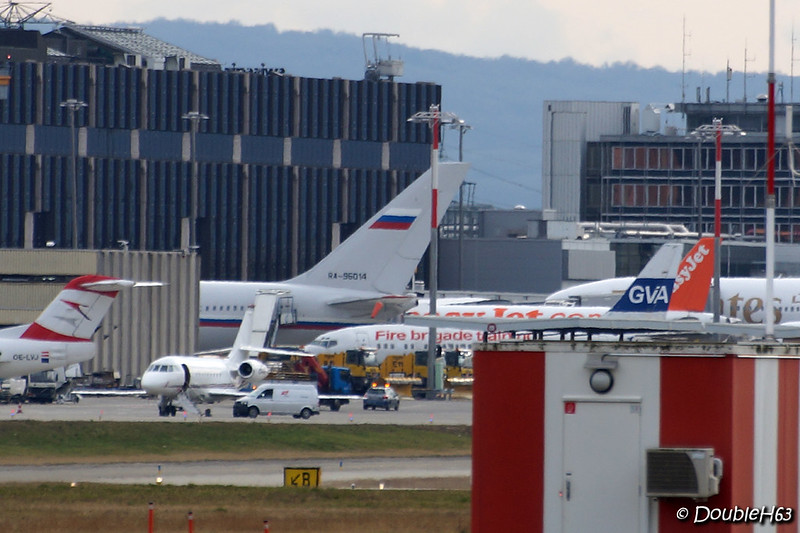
column 153, row 383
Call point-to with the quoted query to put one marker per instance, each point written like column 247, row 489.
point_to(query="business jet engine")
column 253, row 370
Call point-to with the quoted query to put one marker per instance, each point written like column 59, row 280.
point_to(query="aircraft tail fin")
column 237, row 354
column 667, row 275
column 651, row 291
column 693, row 280
column 383, row 253
column 76, row 313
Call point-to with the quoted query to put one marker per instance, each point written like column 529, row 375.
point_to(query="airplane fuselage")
column 740, row 298
column 20, row 357
column 399, row 339
column 305, row 311
column 170, row 375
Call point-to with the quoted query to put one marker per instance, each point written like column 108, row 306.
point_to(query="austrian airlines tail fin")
column 381, row 255
column 77, row 311
column 669, row 283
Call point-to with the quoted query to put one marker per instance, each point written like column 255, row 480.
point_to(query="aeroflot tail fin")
column 77, row 311
column 693, row 281
column 381, row 255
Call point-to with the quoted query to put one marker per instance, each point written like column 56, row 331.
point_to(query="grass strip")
column 27, row 440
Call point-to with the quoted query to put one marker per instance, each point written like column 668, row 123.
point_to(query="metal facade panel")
column 262, row 150
column 317, row 187
column 116, row 203
column 361, row 154
column 160, row 145
column 269, row 233
column 169, row 97
column 312, row 152
column 20, row 107
column 214, row 148
column 61, row 82
column 271, row 105
column 369, row 191
column 12, row 139
column 220, row 95
column 167, row 202
column 108, row 143
column 117, row 97
column 52, row 140
column 219, row 208
column 56, row 186
column 405, row 156
column 17, row 197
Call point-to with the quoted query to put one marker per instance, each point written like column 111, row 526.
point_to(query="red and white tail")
column 77, row 311
column 693, row 281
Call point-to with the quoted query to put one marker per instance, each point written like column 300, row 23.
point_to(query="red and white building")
column 550, row 454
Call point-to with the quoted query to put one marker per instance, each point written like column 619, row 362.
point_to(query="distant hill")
column 500, row 98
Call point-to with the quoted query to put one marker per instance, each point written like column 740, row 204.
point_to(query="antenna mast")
column 683, row 62
column 746, row 60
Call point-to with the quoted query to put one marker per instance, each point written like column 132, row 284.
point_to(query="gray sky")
column 645, row 32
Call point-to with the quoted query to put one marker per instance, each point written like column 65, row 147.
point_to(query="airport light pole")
column 434, row 117
column 73, row 105
column 194, row 117
column 463, row 127
column 716, row 130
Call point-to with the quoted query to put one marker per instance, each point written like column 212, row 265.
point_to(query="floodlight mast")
column 435, row 118
column 716, row 130
column 769, row 304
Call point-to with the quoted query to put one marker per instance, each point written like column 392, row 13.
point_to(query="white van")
column 278, row 398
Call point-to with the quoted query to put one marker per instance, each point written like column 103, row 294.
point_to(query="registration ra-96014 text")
column 347, row 276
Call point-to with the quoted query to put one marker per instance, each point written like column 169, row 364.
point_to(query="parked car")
column 384, row 397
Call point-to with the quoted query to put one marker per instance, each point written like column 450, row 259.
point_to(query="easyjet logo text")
column 690, row 263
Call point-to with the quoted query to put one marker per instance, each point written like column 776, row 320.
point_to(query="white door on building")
column 601, row 489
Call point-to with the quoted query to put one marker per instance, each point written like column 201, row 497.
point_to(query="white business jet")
column 188, row 380
column 363, row 280
column 62, row 334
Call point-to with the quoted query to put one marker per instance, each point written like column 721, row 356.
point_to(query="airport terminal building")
column 133, row 139
column 284, row 167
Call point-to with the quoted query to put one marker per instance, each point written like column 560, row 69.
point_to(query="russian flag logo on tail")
column 396, row 219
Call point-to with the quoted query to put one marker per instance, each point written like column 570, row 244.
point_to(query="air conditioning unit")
column 683, row 472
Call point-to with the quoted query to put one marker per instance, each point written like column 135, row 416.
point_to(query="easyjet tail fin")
column 76, row 313
column 693, row 280
column 666, row 284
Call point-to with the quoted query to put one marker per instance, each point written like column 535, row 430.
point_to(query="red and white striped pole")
column 717, row 122
column 190, row 519
column 266, row 526
column 150, row 518
column 769, row 232
column 434, row 246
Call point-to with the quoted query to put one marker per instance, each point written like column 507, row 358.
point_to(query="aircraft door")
column 361, row 339
column 187, row 377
